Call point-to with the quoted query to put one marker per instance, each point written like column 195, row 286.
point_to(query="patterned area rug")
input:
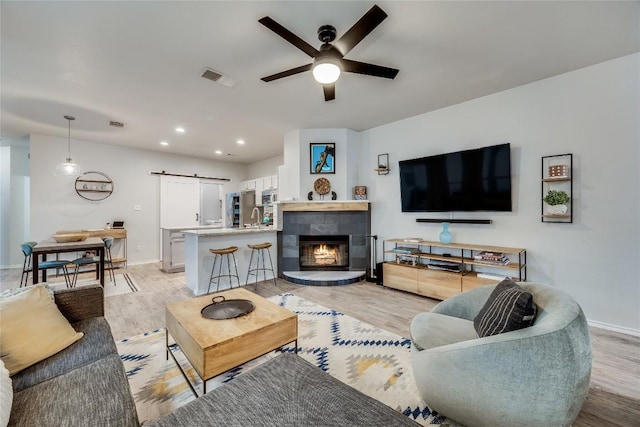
column 124, row 284
column 370, row 359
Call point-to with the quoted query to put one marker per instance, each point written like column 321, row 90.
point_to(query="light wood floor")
column 614, row 395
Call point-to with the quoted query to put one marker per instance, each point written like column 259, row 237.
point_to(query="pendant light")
column 68, row 168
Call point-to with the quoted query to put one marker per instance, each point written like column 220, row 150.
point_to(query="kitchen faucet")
column 255, row 214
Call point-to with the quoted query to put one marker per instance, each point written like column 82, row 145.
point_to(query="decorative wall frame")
column 322, row 157
column 383, row 164
column 94, row 186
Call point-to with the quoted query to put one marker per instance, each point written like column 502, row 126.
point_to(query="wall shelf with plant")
column 557, row 188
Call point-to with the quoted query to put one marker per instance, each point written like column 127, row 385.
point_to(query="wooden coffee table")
column 215, row 346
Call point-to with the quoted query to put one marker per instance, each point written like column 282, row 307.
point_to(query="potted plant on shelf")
column 556, row 202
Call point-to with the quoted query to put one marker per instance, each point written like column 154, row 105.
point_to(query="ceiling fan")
column 329, row 60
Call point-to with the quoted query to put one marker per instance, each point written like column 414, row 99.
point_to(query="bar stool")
column 222, row 253
column 260, row 248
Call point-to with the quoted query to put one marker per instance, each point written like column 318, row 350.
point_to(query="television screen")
column 470, row 180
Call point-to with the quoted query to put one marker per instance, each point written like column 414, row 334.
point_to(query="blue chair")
column 27, row 266
column 78, row 262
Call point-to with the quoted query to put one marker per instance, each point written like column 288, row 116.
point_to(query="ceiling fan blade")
column 287, row 73
column 329, row 91
column 289, row 36
column 360, row 29
column 369, row 69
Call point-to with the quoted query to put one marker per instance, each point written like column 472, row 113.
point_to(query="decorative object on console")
column 383, row 164
column 68, row 168
column 360, row 192
column 445, row 235
column 557, row 188
column 94, row 186
column 322, row 157
column 334, row 195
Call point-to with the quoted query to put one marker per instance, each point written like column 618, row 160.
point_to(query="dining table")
column 50, row 246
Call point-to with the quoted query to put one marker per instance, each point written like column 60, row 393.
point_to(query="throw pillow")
column 6, row 395
column 7, row 293
column 32, row 329
column 508, row 308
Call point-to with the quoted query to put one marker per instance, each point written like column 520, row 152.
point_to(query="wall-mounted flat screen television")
column 469, row 180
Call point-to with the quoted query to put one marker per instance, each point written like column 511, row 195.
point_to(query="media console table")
column 438, row 270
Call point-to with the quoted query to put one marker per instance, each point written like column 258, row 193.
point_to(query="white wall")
column 594, row 114
column 14, row 198
column 264, row 168
column 298, row 162
column 56, row 206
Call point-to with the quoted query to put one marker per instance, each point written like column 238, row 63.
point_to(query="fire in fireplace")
column 324, row 252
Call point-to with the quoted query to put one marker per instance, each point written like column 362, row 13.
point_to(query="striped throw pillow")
column 508, row 308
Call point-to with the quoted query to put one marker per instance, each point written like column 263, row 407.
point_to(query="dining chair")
column 78, row 262
column 27, row 266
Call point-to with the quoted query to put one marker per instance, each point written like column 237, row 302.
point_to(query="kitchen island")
column 173, row 246
column 199, row 261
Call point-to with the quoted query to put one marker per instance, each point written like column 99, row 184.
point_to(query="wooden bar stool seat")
column 221, row 254
column 259, row 249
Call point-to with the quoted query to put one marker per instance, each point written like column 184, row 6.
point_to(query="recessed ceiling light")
column 218, row 152
column 180, row 129
column 240, row 141
column 164, row 143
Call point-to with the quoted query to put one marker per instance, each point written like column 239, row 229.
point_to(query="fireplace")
column 343, row 227
column 324, row 252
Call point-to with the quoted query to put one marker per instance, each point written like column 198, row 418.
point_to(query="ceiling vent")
column 218, row 77
column 116, row 124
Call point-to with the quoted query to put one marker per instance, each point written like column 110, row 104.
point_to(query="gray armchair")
column 529, row 377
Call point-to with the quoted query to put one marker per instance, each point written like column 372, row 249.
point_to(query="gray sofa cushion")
column 96, row 394
column 96, row 344
column 285, row 391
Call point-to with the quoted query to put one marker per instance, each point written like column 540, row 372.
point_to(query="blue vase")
column 445, row 235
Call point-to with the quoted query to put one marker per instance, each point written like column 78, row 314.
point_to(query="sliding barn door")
column 179, row 201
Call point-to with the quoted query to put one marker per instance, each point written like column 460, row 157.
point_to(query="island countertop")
column 191, row 227
column 228, row 231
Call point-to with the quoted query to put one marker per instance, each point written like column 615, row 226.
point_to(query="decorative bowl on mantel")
column 70, row 237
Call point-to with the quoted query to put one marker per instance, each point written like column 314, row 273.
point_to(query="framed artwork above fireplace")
column 323, row 157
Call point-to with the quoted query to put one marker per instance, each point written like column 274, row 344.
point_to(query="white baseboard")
column 8, row 267
column 614, row 328
column 149, row 261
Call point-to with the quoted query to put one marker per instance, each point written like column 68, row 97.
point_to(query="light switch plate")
column 137, row 207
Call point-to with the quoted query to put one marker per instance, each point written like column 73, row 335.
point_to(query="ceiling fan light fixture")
column 326, row 72
column 68, row 168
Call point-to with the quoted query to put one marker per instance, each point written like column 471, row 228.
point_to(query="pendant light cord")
column 69, row 118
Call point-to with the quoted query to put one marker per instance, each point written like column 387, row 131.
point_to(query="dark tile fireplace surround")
column 354, row 224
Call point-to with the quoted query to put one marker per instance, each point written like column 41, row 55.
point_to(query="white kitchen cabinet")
column 259, row 186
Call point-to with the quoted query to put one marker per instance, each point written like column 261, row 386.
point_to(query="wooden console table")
column 116, row 233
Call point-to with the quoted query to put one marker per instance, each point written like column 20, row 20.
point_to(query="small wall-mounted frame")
column 323, row 157
column 94, row 186
column 383, row 164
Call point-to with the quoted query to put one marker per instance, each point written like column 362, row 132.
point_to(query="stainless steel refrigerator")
column 232, row 210
column 239, row 208
column 247, row 203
